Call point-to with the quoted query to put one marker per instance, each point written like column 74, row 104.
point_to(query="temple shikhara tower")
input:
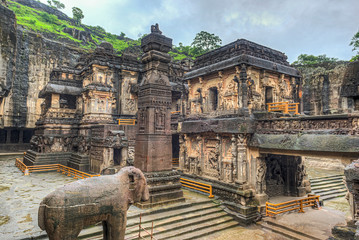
column 153, row 152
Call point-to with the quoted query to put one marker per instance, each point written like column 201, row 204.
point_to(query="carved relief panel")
column 127, row 99
column 212, row 157
column 227, row 160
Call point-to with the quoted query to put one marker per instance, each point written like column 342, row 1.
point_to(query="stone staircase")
column 328, row 187
column 35, row 158
column 181, row 221
column 285, row 231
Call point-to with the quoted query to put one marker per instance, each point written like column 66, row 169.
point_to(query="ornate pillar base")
column 164, row 187
column 261, row 198
column 301, row 191
column 246, row 215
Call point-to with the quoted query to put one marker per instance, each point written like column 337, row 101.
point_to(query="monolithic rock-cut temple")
column 227, row 88
column 239, row 118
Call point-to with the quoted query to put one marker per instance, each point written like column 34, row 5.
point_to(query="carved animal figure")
column 66, row 211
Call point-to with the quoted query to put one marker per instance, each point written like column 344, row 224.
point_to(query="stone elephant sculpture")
column 66, row 211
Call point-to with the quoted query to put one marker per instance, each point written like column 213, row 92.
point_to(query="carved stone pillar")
column 243, row 79
column 234, row 164
column 153, row 141
column 261, row 166
column 241, row 159
column 182, row 151
column 153, row 151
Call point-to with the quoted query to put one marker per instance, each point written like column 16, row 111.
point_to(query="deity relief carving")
column 274, row 173
column 160, row 119
column 130, row 105
column 261, row 174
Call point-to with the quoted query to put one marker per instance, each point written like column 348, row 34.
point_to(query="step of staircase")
column 187, row 220
column 323, row 190
column 331, row 192
column 332, row 177
column 329, row 182
column 332, row 196
column 328, row 187
column 285, row 231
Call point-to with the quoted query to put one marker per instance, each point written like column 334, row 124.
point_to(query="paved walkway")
column 20, row 197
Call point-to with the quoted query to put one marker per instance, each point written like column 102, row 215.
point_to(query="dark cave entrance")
column 285, row 176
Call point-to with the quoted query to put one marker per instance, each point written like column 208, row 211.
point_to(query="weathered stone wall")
column 7, row 52
column 322, row 85
column 26, row 61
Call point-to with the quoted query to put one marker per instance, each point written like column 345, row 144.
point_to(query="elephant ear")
column 141, row 192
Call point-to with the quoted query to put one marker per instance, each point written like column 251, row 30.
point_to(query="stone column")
column 261, row 166
column 241, row 159
column 243, row 79
column 153, row 151
column 234, row 164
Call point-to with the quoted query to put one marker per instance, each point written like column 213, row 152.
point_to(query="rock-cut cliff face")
column 323, row 88
column 26, row 61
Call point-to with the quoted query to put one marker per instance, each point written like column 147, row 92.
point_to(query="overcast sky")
column 290, row 26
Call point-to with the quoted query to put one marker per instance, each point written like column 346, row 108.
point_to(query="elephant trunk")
column 145, row 194
column 41, row 216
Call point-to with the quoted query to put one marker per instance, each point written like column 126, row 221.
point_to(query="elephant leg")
column 118, row 227
column 65, row 232
column 106, row 232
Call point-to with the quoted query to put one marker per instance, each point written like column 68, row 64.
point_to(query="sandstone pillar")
column 153, row 151
column 242, row 159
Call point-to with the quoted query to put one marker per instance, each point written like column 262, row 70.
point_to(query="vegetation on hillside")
column 45, row 23
column 51, row 26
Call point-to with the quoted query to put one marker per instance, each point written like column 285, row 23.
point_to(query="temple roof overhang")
column 60, row 89
column 242, row 59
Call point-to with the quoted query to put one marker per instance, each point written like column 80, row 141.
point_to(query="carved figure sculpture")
column 66, row 211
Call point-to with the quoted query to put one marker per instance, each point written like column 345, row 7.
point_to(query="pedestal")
column 164, row 188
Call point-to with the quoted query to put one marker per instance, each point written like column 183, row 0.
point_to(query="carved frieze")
column 343, row 126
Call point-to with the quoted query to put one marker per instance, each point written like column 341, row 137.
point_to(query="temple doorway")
column 285, row 176
column 268, row 95
column 117, row 159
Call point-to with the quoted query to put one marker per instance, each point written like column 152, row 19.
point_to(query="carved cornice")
column 240, row 47
column 238, row 60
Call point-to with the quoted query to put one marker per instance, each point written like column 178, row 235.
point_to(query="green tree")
column 56, row 4
column 355, row 44
column 77, row 15
column 205, row 42
column 306, row 59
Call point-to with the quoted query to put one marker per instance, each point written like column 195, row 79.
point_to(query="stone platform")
column 79, row 162
column 164, row 187
column 35, row 158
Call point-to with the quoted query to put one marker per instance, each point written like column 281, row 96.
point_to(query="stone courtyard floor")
column 20, row 197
